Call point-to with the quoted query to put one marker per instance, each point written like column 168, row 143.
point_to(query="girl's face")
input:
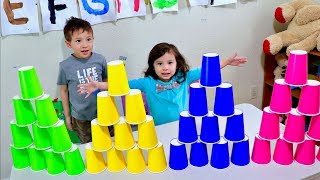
column 81, row 43
column 165, row 66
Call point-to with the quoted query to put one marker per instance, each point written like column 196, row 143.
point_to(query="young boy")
column 74, row 70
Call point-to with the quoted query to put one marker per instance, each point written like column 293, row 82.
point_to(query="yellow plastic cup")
column 37, row 159
column 29, row 83
column 123, row 138
column 117, row 78
column 60, row 138
column 135, row 111
column 20, row 157
column 95, row 161
column 135, row 161
column 115, row 160
column 21, row 136
column 23, row 111
column 55, row 163
column 107, row 112
column 101, row 140
column 147, row 135
column 74, row 162
column 47, row 116
column 157, row 161
column 41, row 137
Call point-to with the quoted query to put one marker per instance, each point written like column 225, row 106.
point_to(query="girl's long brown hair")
column 159, row 50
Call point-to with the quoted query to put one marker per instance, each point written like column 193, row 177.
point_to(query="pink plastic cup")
column 270, row 125
column 283, row 152
column 297, row 69
column 261, row 153
column 314, row 128
column 306, row 152
column 294, row 130
column 309, row 99
column 281, row 97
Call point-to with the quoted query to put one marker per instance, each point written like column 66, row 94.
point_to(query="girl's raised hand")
column 236, row 60
column 88, row 88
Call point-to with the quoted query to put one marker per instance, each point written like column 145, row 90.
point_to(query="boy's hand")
column 69, row 124
column 235, row 60
column 89, row 87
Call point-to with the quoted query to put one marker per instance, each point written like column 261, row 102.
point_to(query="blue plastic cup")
column 224, row 103
column 187, row 128
column 210, row 129
column 210, row 70
column 199, row 154
column 240, row 154
column 178, row 159
column 197, row 100
column 235, row 127
column 220, row 155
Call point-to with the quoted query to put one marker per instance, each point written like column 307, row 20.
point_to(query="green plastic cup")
column 23, row 111
column 55, row 163
column 60, row 139
column 41, row 137
column 21, row 136
column 47, row 116
column 37, row 159
column 20, row 157
column 74, row 162
column 29, row 83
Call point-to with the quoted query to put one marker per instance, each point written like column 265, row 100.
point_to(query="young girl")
column 166, row 82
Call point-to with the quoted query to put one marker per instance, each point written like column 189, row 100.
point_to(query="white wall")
column 195, row 30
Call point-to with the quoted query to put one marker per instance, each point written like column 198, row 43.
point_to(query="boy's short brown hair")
column 75, row 24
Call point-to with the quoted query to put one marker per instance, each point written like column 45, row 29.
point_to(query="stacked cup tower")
column 210, row 134
column 294, row 132
column 48, row 147
column 124, row 142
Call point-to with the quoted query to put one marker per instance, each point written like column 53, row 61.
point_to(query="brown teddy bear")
column 303, row 29
column 280, row 70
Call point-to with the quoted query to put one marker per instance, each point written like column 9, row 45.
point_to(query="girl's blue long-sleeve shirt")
column 166, row 106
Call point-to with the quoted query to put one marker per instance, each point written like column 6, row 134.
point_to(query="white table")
column 252, row 118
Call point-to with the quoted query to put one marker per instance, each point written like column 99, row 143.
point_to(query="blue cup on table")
column 210, row 70
column 199, row 154
column 197, row 100
column 240, row 154
column 178, row 159
column 235, row 127
column 210, row 129
column 220, row 155
column 187, row 128
column 224, row 103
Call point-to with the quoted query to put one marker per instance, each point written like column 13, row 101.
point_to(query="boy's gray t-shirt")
column 73, row 71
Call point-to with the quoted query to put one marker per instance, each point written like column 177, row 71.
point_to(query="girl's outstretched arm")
column 233, row 60
column 91, row 87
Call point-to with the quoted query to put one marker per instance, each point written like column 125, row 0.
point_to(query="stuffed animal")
column 303, row 18
column 280, row 70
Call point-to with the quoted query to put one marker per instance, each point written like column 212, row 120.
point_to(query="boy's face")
column 165, row 66
column 81, row 43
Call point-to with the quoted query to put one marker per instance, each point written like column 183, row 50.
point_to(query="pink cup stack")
column 281, row 97
column 309, row 99
column 297, row 69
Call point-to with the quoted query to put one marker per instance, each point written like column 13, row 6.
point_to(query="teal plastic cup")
column 20, row 157
column 21, row 136
column 41, row 137
column 55, row 162
column 47, row 116
column 37, row 159
column 74, row 162
column 29, row 83
column 60, row 139
column 23, row 111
